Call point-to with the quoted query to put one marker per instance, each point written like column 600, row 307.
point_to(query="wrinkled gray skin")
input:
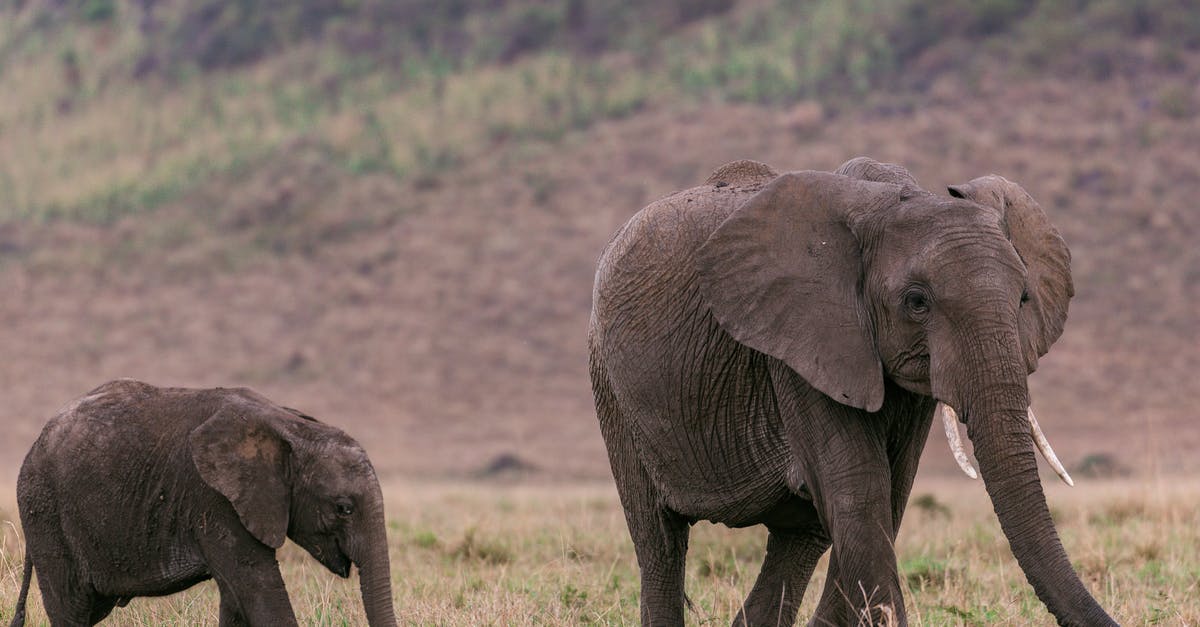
column 768, row 349
column 134, row 490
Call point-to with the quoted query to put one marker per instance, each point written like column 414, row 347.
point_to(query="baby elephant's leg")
column 252, row 590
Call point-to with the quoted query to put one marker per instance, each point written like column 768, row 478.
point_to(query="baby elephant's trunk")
column 19, row 613
column 376, row 586
column 374, row 573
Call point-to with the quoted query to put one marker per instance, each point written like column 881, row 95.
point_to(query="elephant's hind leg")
column 660, row 539
column 67, row 600
column 792, row 555
column 67, row 596
column 660, row 536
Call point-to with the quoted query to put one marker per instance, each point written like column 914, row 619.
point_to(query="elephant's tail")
column 19, row 613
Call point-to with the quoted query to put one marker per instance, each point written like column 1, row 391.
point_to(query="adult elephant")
column 771, row 348
column 134, row 490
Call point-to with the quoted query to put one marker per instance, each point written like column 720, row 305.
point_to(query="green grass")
column 474, row 554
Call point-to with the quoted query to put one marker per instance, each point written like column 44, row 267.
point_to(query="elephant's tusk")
column 950, row 423
column 1043, row 447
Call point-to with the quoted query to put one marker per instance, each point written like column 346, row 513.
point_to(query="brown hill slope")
column 443, row 321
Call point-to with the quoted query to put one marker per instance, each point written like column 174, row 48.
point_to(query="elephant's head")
column 850, row 278
column 288, row 475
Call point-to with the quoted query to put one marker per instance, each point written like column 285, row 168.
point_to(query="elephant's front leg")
column 863, row 576
column 247, row 575
column 842, row 457
column 908, row 428
column 907, row 432
column 837, row 607
column 263, row 602
column 231, row 612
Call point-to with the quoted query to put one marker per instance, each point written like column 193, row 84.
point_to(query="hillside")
column 401, row 239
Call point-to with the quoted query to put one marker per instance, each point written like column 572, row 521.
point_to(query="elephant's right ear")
column 782, row 275
column 244, row 458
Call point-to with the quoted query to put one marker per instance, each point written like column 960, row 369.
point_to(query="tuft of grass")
column 923, row 571
column 1178, row 102
column 472, row 547
column 929, row 504
column 425, row 539
column 1117, row 513
column 570, row 596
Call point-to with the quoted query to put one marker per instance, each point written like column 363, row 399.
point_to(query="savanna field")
column 502, row 554
column 388, row 213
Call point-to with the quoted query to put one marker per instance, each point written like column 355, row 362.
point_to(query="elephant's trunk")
column 374, row 572
column 997, row 423
column 1006, row 460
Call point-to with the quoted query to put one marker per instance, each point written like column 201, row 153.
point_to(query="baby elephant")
column 135, row 490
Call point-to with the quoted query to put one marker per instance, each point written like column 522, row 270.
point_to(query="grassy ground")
column 482, row 554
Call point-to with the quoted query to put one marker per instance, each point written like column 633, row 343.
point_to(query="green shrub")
column 924, row 571
column 530, row 29
column 98, row 10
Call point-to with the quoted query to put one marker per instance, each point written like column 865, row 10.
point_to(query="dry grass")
column 488, row 554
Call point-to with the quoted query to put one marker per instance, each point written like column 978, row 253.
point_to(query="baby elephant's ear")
column 240, row 455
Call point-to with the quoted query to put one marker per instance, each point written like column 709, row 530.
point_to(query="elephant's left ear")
column 242, row 456
column 1045, row 254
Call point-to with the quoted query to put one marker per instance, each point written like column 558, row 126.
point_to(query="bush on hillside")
column 839, row 46
column 223, row 33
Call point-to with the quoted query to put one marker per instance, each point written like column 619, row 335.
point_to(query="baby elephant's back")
column 126, row 441
column 120, row 418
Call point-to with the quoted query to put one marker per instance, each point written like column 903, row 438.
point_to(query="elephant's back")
column 116, row 415
column 662, row 239
column 646, row 286
column 655, row 249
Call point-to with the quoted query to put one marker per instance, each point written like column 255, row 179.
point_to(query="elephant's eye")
column 916, row 302
column 345, row 509
column 1024, row 296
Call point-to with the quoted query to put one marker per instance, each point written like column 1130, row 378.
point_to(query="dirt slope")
column 443, row 322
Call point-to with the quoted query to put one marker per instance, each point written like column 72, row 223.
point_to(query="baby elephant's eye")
column 345, row 509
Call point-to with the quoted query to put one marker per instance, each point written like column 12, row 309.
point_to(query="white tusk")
column 1043, row 447
column 950, row 423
